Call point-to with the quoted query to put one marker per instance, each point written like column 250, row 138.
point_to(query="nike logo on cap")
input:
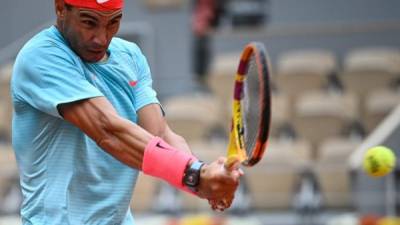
column 102, row 1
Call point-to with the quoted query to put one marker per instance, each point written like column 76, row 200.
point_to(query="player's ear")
column 60, row 8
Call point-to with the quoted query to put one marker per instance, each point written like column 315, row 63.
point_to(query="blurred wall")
column 170, row 59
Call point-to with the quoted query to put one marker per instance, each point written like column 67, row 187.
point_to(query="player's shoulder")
column 45, row 42
column 125, row 46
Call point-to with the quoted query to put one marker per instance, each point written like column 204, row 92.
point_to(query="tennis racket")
column 251, row 110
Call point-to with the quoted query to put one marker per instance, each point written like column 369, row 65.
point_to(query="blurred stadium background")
column 336, row 92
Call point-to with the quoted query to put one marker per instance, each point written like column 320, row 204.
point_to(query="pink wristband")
column 166, row 162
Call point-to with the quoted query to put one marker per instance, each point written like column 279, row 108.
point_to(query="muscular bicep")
column 120, row 137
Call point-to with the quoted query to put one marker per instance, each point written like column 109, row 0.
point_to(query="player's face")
column 89, row 32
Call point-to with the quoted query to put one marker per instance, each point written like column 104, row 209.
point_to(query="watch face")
column 192, row 174
column 192, row 179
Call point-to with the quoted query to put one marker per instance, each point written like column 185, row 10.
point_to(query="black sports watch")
column 192, row 175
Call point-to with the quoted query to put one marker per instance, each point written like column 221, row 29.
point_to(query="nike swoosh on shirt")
column 132, row 83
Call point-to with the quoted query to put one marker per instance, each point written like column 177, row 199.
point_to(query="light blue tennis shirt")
column 65, row 177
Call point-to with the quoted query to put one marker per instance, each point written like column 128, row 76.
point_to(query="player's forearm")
column 176, row 140
column 119, row 137
column 151, row 119
column 125, row 141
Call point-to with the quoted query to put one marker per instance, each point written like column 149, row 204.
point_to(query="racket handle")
column 232, row 162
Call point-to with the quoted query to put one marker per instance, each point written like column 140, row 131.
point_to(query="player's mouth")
column 96, row 54
column 96, row 51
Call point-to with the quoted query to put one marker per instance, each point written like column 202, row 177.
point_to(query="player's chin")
column 93, row 57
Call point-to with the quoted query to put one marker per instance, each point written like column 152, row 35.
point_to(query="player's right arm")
column 120, row 137
column 127, row 142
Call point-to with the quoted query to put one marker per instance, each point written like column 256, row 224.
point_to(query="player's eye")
column 114, row 22
column 89, row 23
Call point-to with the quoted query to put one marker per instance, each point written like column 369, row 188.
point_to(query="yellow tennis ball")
column 379, row 161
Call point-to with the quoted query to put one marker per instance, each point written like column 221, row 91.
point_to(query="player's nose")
column 100, row 39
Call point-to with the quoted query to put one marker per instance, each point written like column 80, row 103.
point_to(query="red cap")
column 101, row 5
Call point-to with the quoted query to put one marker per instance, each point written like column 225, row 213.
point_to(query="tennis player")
column 87, row 120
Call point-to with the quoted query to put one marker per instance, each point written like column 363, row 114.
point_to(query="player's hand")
column 217, row 183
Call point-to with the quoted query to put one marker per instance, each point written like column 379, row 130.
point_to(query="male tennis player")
column 87, row 120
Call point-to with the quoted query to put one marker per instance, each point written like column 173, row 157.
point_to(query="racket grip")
column 232, row 162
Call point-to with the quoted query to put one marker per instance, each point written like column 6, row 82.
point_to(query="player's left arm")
column 151, row 119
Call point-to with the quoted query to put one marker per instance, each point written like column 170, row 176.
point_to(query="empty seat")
column 281, row 112
column 192, row 116
column 333, row 172
column 281, row 150
column 271, row 183
column 209, row 151
column 221, row 80
column 378, row 105
column 321, row 114
column 369, row 68
column 222, row 75
column 304, row 70
column 337, row 149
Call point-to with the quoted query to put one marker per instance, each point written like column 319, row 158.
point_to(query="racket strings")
column 250, row 102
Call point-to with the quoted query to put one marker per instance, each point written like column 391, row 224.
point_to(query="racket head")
column 251, row 111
